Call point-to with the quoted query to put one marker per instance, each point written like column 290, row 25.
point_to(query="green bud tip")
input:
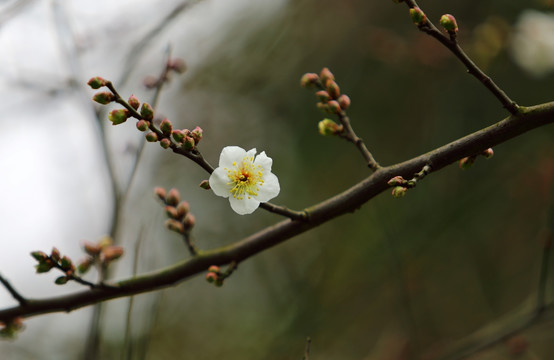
column 189, row 143
column 395, row 181
column 308, row 80
column 39, row 255
column 196, row 134
column 97, row 82
column 418, row 16
column 448, row 22
column 62, row 280
column 103, row 97
column 118, row 116
column 178, row 135
column 166, row 127
column 399, row 191
column 328, row 127
column 205, row 184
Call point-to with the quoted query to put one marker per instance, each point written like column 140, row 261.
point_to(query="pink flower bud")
column 118, row 116
column 166, row 127
column 147, row 112
column 165, row 143
column 488, row 153
column 196, row 134
column 467, row 162
column 55, row 255
column 448, row 22
column 160, row 193
column 103, row 97
column 173, row 197
column 151, row 137
column 395, row 181
column 333, row 89
column 308, row 80
column 133, row 102
column 111, row 253
column 334, row 107
column 96, row 82
column 323, row 96
column 344, row 101
column 142, row 125
column 189, row 143
column 214, row 269
column 177, row 65
column 66, row 263
column 182, row 209
column 174, row 225
column 178, row 135
column 418, row 16
column 171, row 212
column 205, row 184
column 326, row 75
column 211, row 277
column 150, row 82
column 189, row 222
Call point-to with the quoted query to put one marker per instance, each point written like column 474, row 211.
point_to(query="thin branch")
column 307, row 349
column 451, row 44
column 349, row 134
column 16, row 295
column 345, row 202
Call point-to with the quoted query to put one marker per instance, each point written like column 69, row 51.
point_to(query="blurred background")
column 398, row 279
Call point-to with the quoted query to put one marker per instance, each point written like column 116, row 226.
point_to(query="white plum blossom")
column 244, row 178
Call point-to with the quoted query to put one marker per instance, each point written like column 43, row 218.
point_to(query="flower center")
column 246, row 178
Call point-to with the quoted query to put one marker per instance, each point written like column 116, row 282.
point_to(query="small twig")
column 17, row 296
column 307, row 350
column 451, row 43
column 349, row 134
column 281, row 210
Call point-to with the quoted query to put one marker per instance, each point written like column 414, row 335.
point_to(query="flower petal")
column 269, row 189
column 264, row 161
column 219, row 182
column 244, row 206
column 230, row 154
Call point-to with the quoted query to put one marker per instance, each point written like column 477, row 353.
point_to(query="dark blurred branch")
column 17, row 296
column 451, row 44
column 345, row 202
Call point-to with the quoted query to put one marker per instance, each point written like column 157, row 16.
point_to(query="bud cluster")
column 54, row 260
column 101, row 254
column 8, row 329
column 468, row 161
column 180, row 219
column 216, row 276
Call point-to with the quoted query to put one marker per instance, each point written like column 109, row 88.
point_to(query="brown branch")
column 345, row 202
column 16, row 295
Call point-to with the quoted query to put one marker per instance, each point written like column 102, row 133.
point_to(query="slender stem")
column 16, row 295
column 451, row 44
column 349, row 134
column 307, row 349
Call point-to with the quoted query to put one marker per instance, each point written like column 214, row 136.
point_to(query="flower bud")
column 205, row 184
column 488, row 153
column 160, row 193
column 151, row 137
column 182, row 209
column 448, row 22
column 174, row 225
column 173, row 197
column 142, row 125
column 171, row 212
column 189, row 222
column 97, row 82
column 418, row 16
column 196, row 134
column 39, row 256
column 178, row 65
column 66, row 263
column 308, row 80
column 55, row 255
column 150, row 82
column 323, row 96
column 147, row 112
column 85, row 265
column 399, row 191
column 211, row 277
column 214, row 269
column 62, row 280
column 333, row 89
column 133, row 102
column 344, row 101
column 105, row 241
column 189, row 143
column 333, row 107
column 329, row 127
column 165, row 143
column 44, row 267
column 104, row 97
column 178, row 135
column 118, row 116
column 326, row 75
column 111, row 253
column 166, row 127
column 395, row 181
column 467, row 162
